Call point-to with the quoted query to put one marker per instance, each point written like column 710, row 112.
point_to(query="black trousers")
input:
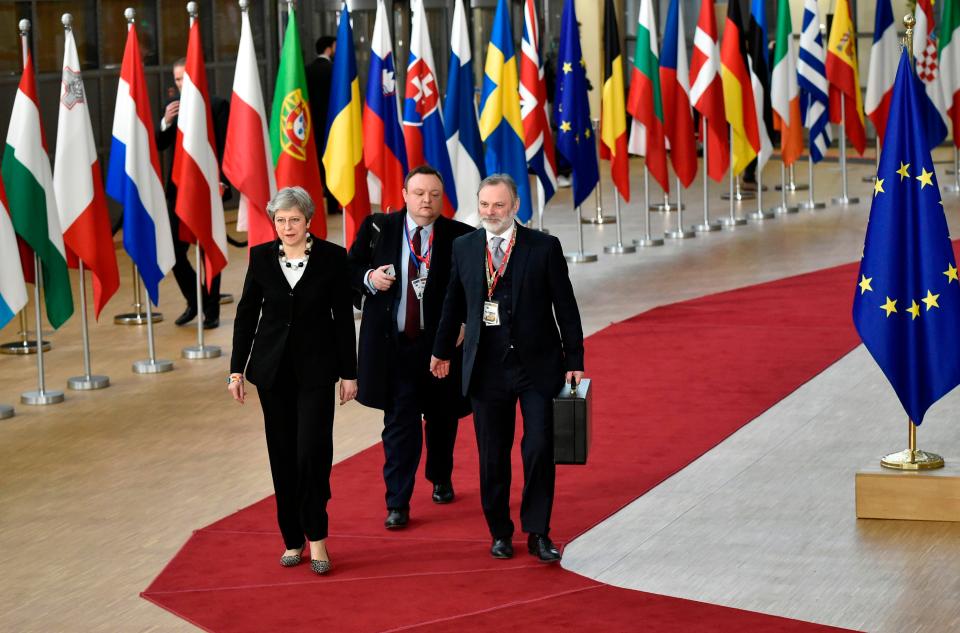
column 299, row 428
column 186, row 276
column 494, row 392
column 411, row 401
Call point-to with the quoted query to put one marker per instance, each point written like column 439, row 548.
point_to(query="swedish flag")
column 501, row 127
column 907, row 301
column 571, row 110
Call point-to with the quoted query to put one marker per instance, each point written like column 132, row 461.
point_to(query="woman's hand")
column 236, row 388
column 348, row 390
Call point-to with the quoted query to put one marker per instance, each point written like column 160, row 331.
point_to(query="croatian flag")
column 383, row 150
column 133, row 177
column 13, row 291
column 460, row 121
column 422, row 120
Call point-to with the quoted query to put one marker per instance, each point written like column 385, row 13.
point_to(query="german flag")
column 737, row 92
column 613, row 112
column 843, row 76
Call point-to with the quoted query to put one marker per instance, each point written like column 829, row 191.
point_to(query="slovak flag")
column 133, row 177
column 422, row 118
column 383, row 152
column 195, row 169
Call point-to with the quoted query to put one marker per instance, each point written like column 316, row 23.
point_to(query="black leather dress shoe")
column 188, row 315
column 543, row 548
column 443, row 493
column 396, row 518
column 501, row 548
column 211, row 324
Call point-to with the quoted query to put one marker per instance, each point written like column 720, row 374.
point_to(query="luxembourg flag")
column 246, row 154
column 383, row 150
column 884, row 58
column 195, row 169
column 460, row 121
column 133, row 177
column 13, row 290
column 79, row 186
column 422, row 119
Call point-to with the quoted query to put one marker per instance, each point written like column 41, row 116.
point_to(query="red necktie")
column 411, row 326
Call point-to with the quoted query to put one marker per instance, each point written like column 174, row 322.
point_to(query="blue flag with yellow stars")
column 571, row 110
column 907, row 301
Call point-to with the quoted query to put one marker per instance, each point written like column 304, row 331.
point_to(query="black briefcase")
column 571, row 424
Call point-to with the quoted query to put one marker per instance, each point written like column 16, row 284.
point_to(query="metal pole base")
column 793, row 188
column 226, row 297
column 152, row 367
column 136, row 318
column 729, row 223
column 580, row 257
column 619, row 249
column 6, row 411
column 22, row 348
column 707, row 228
column 950, row 188
column 869, row 179
column 598, row 219
column 845, row 201
column 666, row 208
column 760, row 216
column 648, row 242
column 199, row 352
column 813, row 205
column 783, row 210
column 88, row 383
column 41, row 397
column 919, row 460
column 679, row 234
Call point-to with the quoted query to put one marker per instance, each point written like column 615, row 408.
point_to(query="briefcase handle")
column 573, row 386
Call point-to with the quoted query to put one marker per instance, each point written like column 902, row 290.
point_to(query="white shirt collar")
column 506, row 235
column 412, row 226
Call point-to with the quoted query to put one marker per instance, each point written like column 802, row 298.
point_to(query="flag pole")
column 732, row 221
column 579, row 257
column 41, row 396
column 760, row 214
column 540, row 206
column 24, row 345
column 679, row 233
column 843, row 198
column 792, row 185
column 599, row 218
column 784, row 207
column 138, row 316
column 955, row 187
column 87, row 381
column 619, row 248
column 707, row 226
column 647, row 240
column 199, row 351
column 811, row 203
column 873, row 177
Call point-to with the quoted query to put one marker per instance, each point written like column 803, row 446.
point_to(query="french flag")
column 133, row 177
column 383, row 152
column 195, row 169
column 884, row 56
column 460, row 121
column 422, row 120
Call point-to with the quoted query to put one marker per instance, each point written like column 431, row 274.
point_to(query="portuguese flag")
column 292, row 132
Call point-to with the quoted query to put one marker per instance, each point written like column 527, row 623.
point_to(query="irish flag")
column 644, row 101
column 33, row 207
column 785, row 92
column 949, row 55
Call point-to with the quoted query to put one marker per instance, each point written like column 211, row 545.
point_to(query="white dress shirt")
column 294, row 272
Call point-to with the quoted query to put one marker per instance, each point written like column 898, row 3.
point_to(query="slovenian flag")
column 133, row 177
column 383, row 150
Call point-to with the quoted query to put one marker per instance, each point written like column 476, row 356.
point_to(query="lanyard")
column 493, row 276
column 415, row 259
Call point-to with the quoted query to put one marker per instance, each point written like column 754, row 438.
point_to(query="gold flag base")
column 912, row 460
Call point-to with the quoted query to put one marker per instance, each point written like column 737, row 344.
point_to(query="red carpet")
column 669, row 385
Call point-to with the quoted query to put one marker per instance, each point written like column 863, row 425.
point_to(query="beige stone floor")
column 97, row 493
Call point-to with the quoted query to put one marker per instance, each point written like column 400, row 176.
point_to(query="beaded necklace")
column 306, row 255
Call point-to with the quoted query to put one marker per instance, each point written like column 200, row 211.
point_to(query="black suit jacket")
column 547, row 334
column 167, row 139
column 378, row 328
column 319, row 77
column 315, row 318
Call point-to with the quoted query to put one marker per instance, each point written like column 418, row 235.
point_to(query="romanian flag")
column 844, row 77
column 501, row 127
column 785, row 91
column 738, row 100
column 343, row 155
column 613, row 113
column 292, row 132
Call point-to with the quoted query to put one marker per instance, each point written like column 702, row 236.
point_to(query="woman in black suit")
column 294, row 337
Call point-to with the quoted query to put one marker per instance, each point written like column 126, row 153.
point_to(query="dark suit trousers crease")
column 403, row 431
column 495, row 390
column 186, row 276
column 299, row 429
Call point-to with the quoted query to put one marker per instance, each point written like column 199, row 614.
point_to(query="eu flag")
column 571, row 110
column 907, row 301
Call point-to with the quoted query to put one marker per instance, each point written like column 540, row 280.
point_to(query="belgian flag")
column 613, row 110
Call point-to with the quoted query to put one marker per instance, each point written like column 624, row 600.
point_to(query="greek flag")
column 812, row 77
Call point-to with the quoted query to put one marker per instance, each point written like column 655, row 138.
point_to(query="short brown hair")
column 422, row 169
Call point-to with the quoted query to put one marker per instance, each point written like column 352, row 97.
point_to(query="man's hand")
column 236, row 388
column 348, row 390
column 173, row 109
column 578, row 375
column 379, row 278
column 439, row 368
